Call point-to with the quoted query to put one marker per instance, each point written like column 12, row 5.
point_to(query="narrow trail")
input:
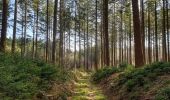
column 84, row 90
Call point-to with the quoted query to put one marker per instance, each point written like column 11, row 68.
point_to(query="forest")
column 84, row 50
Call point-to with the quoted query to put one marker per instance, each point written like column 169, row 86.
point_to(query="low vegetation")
column 151, row 82
column 22, row 78
column 163, row 94
column 103, row 73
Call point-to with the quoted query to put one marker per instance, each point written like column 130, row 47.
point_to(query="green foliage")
column 164, row 94
column 103, row 73
column 123, row 65
column 22, row 78
column 140, row 77
column 133, row 81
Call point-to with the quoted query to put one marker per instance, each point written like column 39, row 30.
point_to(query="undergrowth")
column 132, row 82
column 22, row 78
column 163, row 94
column 140, row 77
column 103, row 73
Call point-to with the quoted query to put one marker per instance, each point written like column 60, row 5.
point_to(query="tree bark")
column 143, row 29
column 96, row 39
column 4, row 26
column 54, row 32
column 25, row 28
column 137, row 35
column 164, row 51
column 105, row 31
column 14, row 28
column 61, row 32
column 156, row 33
column 47, row 26
column 36, row 37
column 149, row 37
column 167, row 18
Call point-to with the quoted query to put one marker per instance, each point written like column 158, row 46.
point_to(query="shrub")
column 163, row 94
column 21, row 78
column 123, row 65
column 103, row 73
column 142, row 77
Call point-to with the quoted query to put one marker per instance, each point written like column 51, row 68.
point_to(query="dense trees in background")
column 89, row 34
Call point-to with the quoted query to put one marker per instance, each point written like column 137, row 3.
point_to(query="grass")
column 22, row 78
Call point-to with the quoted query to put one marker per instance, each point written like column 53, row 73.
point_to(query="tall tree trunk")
column 164, row 51
column 37, row 28
column 75, row 36
column 79, row 44
column 96, row 39
column 33, row 40
column 25, row 28
column 22, row 35
column 167, row 14
column 102, row 37
column 87, row 58
column 130, row 39
column 47, row 30
column 14, row 28
column 54, row 32
column 61, row 32
column 114, row 36
column 149, row 37
column 69, row 33
column 156, row 33
column 120, row 38
column 112, row 43
column 137, row 35
column 106, row 34
column 91, row 53
column 4, row 26
column 79, row 33
column 84, row 44
column 143, row 29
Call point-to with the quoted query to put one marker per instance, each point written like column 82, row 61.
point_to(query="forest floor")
column 85, row 90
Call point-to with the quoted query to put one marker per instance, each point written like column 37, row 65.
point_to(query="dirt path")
column 84, row 90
